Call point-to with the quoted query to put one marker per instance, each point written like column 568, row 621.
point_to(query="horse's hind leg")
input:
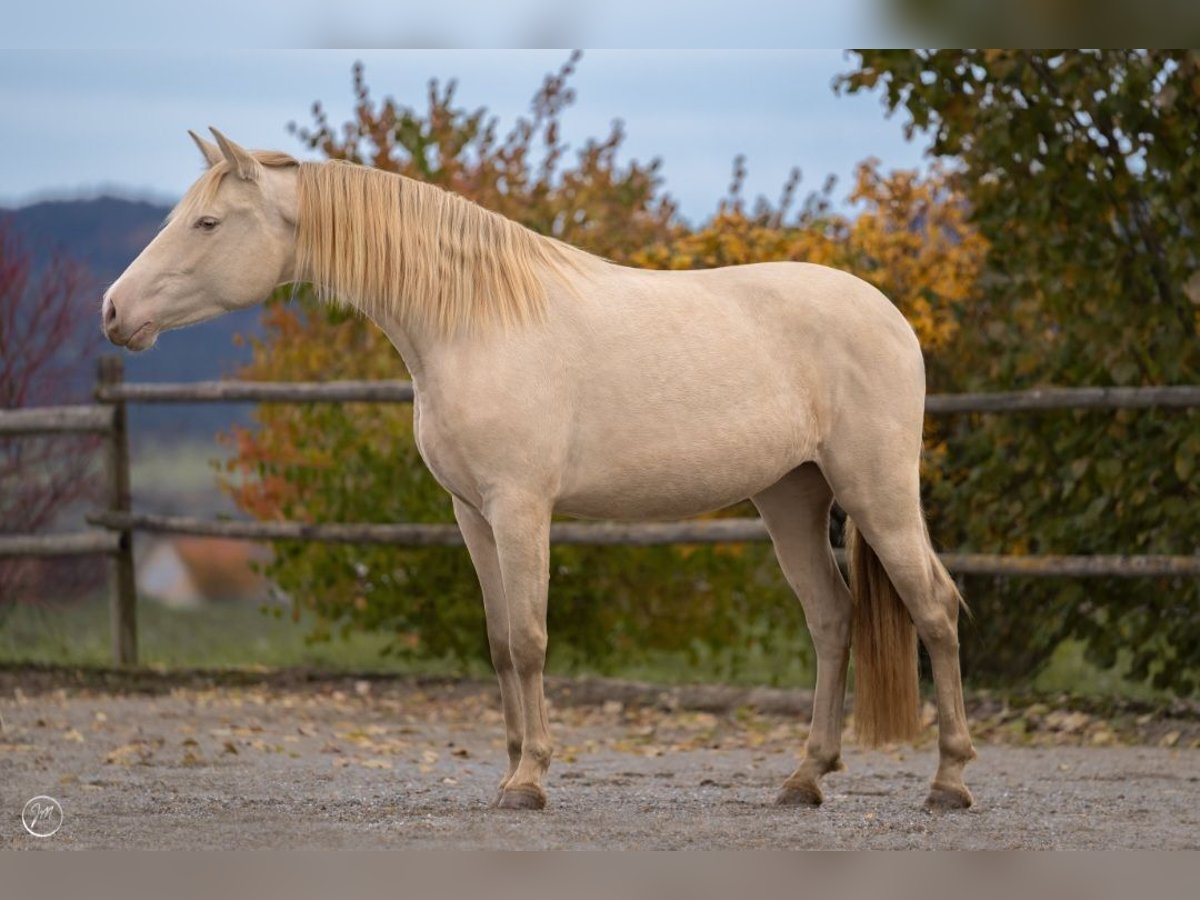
column 796, row 512
column 879, row 489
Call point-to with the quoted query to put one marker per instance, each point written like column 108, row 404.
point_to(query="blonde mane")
column 385, row 243
column 391, row 244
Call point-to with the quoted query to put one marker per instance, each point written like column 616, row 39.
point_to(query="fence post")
column 122, row 587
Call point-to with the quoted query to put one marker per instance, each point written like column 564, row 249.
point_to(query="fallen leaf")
column 135, row 753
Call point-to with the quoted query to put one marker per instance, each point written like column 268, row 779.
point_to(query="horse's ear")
column 212, row 153
column 239, row 159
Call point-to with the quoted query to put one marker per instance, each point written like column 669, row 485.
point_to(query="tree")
column 45, row 330
column 1081, row 172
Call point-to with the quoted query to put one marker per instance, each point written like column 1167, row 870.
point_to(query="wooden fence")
column 108, row 420
column 113, row 534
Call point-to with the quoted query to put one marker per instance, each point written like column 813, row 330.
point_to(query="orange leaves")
column 590, row 200
column 910, row 238
column 730, row 239
column 913, row 242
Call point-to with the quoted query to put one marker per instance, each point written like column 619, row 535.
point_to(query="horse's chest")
column 437, row 453
column 449, row 452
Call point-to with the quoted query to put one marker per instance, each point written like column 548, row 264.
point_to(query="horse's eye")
column 206, row 223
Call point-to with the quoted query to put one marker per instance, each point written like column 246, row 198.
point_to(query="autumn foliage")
column 928, row 239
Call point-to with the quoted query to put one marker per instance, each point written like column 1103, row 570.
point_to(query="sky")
column 125, row 24
column 109, row 121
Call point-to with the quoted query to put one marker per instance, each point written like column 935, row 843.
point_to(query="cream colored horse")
column 549, row 380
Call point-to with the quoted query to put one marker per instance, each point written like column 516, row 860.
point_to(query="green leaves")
column 1185, row 457
column 1081, row 172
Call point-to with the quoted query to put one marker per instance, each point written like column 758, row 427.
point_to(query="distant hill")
column 106, row 234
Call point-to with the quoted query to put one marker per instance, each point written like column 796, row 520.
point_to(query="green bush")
column 1081, row 172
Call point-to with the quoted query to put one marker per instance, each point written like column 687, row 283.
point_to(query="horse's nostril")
column 110, row 313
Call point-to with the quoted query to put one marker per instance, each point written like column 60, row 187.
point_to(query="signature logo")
column 42, row 816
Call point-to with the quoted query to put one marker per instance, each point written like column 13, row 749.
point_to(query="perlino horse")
column 548, row 380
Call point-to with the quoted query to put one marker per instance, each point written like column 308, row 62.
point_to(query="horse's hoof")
column 943, row 797
column 522, row 798
column 799, row 795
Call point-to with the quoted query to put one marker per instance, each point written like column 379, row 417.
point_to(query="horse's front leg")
column 521, row 530
column 477, row 534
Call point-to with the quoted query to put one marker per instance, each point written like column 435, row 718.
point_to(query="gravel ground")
column 340, row 763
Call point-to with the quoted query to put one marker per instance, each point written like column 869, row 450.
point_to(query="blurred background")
column 1033, row 214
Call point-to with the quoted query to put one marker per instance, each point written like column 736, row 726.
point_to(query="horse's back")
column 806, row 329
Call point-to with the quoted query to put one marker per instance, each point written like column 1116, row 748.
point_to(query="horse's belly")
column 625, row 480
column 642, row 505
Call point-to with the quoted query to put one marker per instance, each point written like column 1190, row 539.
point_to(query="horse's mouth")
column 142, row 338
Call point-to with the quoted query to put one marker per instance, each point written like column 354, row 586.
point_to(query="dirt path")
column 382, row 764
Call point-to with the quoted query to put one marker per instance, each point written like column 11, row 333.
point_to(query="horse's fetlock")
column 822, row 760
column 540, row 753
column 957, row 748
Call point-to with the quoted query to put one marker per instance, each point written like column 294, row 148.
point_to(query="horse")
column 548, row 380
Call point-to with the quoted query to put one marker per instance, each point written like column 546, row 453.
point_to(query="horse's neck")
column 427, row 351
column 414, row 348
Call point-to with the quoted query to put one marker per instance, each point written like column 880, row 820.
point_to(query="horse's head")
column 227, row 245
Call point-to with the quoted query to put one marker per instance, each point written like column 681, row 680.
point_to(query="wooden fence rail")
column 1047, row 399
column 74, row 543
column 260, row 392
column 1037, row 400
column 118, row 522
column 636, row 534
column 56, row 420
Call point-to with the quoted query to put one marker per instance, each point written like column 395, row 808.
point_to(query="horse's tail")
column 886, row 692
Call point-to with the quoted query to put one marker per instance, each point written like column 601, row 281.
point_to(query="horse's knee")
column 830, row 632
column 502, row 660
column 527, row 649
